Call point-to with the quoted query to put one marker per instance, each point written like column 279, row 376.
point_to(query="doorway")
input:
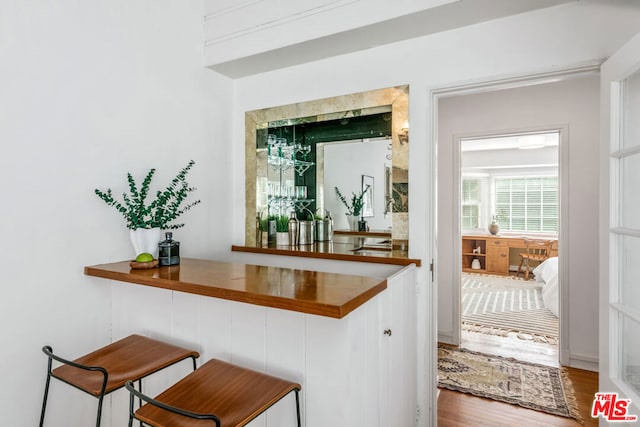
column 565, row 101
column 509, row 223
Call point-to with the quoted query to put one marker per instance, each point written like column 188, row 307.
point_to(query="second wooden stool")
column 225, row 394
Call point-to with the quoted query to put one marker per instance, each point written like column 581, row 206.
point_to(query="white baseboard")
column 446, row 337
column 580, row 361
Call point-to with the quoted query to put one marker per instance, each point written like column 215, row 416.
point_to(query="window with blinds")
column 470, row 203
column 527, row 203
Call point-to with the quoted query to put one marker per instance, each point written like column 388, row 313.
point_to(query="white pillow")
column 547, row 270
column 550, row 295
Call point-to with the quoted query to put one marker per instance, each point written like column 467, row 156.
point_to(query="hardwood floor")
column 459, row 409
column 511, row 346
column 464, row 410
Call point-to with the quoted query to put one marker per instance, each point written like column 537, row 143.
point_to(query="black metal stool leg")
column 46, row 390
column 139, row 399
column 130, row 410
column 298, row 407
column 101, row 396
column 99, row 410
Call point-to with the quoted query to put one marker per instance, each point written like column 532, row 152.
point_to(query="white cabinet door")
column 620, row 235
column 398, row 377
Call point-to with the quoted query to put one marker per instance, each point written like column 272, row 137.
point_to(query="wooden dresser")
column 495, row 252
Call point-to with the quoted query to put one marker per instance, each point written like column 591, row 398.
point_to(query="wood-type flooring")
column 464, row 410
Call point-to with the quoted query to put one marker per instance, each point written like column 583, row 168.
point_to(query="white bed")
column 547, row 274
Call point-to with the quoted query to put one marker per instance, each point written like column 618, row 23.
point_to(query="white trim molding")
column 295, row 16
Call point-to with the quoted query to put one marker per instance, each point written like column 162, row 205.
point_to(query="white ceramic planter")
column 282, row 238
column 353, row 222
column 145, row 240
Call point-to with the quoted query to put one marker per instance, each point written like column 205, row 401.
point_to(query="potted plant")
column 146, row 220
column 354, row 209
column 282, row 231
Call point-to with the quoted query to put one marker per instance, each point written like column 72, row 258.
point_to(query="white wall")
column 574, row 104
column 574, row 34
column 91, row 90
column 344, row 165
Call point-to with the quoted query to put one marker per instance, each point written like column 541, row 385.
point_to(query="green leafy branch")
column 167, row 206
column 357, row 201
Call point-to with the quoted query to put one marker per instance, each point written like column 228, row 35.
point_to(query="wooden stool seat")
column 130, row 358
column 110, row 367
column 232, row 394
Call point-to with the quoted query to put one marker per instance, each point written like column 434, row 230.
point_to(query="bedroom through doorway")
column 509, row 223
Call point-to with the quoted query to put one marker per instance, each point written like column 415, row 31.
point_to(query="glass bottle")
column 258, row 231
column 293, row 229
column 169, row 250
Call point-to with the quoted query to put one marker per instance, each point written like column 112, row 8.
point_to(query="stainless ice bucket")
column 323, row 230
column 306, row 232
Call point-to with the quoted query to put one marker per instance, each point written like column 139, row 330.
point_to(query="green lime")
column 144, row 257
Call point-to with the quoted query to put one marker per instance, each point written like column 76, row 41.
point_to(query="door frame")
column 618, row 67
column 489, row 85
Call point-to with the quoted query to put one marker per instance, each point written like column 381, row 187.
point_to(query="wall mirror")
column 297, row 154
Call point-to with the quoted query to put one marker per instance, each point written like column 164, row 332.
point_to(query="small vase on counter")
column 353, row 222
column 494, row 228
column 145, row 240
column 282, row 238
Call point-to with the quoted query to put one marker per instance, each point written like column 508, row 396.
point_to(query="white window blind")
column 527, row 203
column 470, row 203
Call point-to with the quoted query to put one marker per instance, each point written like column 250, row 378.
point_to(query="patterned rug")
column 500, row 305
column 532, row 386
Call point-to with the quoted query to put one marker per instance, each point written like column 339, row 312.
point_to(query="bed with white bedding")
column 547, row 274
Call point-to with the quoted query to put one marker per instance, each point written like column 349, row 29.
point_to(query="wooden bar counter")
column 345, row 246
column 350, row 341
column 325, row 294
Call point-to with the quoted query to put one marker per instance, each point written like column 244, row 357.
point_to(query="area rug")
column 532, row 386
column 500, row 305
